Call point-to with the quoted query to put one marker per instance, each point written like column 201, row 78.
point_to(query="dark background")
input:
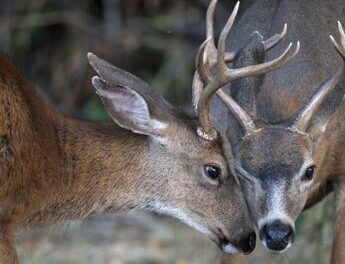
column 156, row 40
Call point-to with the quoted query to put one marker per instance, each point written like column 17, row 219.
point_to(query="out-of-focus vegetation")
column 156, row 40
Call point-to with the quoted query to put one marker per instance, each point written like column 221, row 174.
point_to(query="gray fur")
column 276, row 156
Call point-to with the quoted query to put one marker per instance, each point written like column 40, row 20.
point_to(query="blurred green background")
column 156, row 40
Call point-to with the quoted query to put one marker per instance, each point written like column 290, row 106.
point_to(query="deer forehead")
column 274, row 149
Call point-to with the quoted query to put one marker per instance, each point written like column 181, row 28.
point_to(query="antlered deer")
column 287, row 153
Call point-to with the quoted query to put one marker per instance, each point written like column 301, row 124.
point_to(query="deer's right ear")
column 128, row 100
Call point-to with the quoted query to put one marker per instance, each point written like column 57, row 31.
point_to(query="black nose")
column 248, row 244
column 277, row 235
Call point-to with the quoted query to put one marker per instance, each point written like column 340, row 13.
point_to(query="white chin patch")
column 230, row 249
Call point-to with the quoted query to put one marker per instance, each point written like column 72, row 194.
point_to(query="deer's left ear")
column 128, row 108
column 131, row 103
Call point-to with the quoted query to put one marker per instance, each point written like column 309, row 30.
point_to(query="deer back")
column 26, row 143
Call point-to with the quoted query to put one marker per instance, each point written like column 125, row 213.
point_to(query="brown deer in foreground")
column 285, row 159
column 155, row 157
column 54, row 168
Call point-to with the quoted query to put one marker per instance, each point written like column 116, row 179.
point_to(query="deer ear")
column 245, row 90
column 130, row 101
column 128, row 108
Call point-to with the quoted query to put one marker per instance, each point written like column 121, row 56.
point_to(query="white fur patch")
column 184, row 217
column 158, row 125
column 230, row 249
column 177, row 213
column 276, row 207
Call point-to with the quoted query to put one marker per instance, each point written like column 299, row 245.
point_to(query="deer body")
column 310, row 22
column 54, row 168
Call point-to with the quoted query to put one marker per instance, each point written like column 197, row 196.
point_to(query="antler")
column 307, row 112
column 229, row 56
column 208, row 56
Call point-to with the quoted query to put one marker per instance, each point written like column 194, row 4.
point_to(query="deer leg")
column 338, row 248
column 8, row 254
column 233, row 259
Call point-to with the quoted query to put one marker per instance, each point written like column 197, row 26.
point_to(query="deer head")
column 274, row 164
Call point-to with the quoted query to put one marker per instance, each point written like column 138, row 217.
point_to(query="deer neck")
column 102, row 168
column 337, row 150
column 330, row 152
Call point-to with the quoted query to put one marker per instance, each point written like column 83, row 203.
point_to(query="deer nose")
column 277, row 235
column 248, row 244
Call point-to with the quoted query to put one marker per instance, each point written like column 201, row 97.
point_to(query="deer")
column 153, row 157
column 285, row 129
column 54, row 168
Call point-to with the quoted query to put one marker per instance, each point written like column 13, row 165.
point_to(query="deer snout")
column 248, row 244
column 277, row 235
column 245, row 245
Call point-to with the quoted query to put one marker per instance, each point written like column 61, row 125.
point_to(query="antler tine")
column 339, row 49
column 221, row 65
column 274, row 40
column 206, row 57
column 244, row 119
column 307, row 112
column 210, row 18
column 209, row 56
column 342, row 35
column 285, row 57
column 202, row 63
column 212, row 51
column 202, row 74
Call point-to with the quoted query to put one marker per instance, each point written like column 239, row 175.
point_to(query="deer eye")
column 212, row 171
column 309, row 172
